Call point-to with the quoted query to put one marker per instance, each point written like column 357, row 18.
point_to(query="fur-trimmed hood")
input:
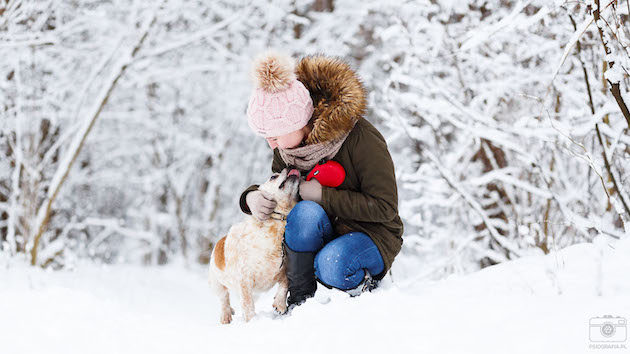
column 339, row 98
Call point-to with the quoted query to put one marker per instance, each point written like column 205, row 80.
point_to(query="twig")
column 588, row 85
column 612, row 177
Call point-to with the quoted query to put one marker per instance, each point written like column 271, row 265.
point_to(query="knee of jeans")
column 337, row 269
column 302, row 233
column 306, row 210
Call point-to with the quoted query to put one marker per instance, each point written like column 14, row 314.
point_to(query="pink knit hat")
column 280, row 104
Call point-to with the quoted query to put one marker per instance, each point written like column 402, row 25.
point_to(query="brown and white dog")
column 249, row 259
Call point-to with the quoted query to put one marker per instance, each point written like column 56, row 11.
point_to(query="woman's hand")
column 260, row 204
column 311, row 190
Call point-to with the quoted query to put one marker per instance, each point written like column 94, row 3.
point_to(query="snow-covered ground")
column 539, row 304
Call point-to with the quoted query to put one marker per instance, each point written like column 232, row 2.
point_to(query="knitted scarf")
column 304, row 158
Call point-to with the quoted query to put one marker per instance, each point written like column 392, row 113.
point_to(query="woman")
column 344, row 237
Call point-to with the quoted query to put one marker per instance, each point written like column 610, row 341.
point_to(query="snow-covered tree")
column 123, row 134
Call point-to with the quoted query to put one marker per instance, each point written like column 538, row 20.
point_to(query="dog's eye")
column 273, row 177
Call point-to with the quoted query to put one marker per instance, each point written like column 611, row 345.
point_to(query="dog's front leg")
column 280, row 300
column 247, row 301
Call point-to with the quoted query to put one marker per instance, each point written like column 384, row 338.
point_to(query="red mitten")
column 329, row 174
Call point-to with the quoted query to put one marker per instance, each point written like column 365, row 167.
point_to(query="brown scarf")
column 304, row 158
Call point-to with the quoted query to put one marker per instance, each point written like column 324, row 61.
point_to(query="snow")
column 614, row 74
column 536, row 304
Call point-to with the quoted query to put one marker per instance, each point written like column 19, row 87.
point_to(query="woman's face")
column 286, row 141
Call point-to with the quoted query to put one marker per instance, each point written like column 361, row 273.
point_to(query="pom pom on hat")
column 273, row 71
column 280, row 103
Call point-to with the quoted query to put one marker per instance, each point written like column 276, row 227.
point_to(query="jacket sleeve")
column 277, row 164
column 377, row 200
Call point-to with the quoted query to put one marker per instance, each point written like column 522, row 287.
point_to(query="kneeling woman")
column 346, row 236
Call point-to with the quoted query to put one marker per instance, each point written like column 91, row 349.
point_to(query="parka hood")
column 339, row 98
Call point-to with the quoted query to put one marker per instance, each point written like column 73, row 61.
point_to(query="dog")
column 249, row 259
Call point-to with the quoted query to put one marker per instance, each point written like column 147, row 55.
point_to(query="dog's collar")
column 281, row 217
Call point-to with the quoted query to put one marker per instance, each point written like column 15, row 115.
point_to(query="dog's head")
column 283, row 187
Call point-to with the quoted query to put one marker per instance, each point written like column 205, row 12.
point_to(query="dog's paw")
column 280, row 307
column 226, row 317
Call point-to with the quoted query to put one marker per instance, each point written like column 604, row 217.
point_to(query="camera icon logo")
column 608, row 329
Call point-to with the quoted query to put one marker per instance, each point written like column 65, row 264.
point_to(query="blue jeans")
column 340, row 261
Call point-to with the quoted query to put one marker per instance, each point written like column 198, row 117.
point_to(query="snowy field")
column 533, row 305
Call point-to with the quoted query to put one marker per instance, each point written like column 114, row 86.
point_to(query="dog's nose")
column 291, row 179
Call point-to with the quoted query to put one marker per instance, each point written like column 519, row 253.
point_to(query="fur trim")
column 273, row 71
column 339, row 98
